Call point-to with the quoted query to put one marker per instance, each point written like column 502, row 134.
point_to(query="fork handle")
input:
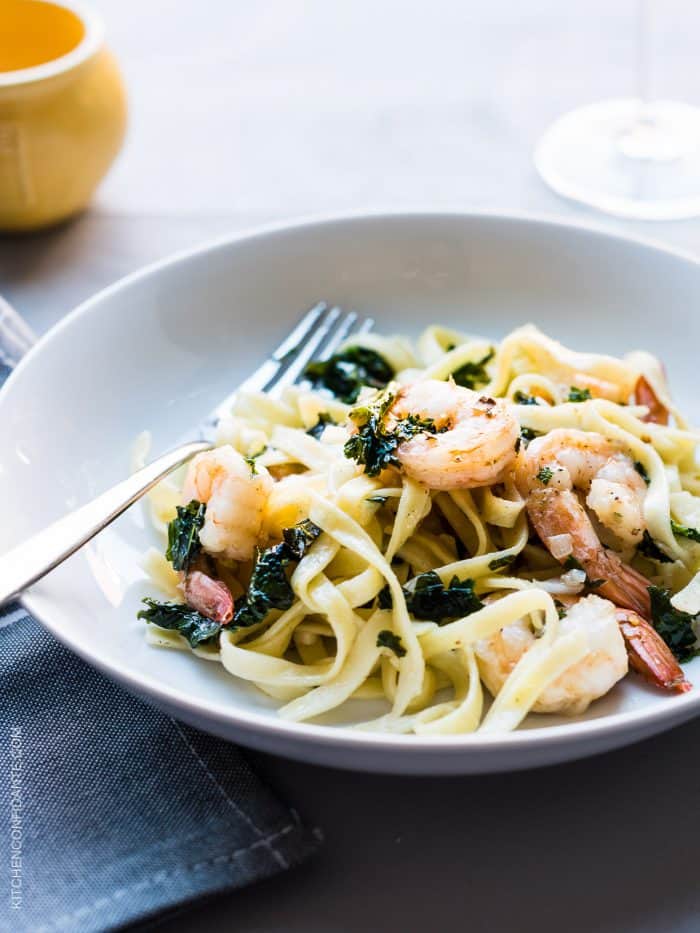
column 37, row 556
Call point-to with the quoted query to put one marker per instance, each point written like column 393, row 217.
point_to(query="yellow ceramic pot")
column 62, row 111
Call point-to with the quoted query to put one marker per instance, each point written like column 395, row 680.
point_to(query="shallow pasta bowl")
column 158, row 349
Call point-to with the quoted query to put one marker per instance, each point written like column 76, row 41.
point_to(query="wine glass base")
column 626, row 160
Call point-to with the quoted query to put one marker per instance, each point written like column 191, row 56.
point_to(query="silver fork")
column 319, row 333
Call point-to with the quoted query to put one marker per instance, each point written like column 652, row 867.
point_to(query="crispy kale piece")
column 674, row 626
column 387, row 639
column 183, row 534
column 650, row 549
column 639, row 467
column 473, row 375
column 578, row 395
column 684, row 531
column 430, row 599
column 373, row 446
column 317, row 429
column 500, row 562
column 544, row 475
column 269, row 586
column 195, row 627
column 345, row 373
column 521, row 398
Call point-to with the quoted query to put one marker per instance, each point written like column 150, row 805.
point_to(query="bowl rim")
column 247, row 721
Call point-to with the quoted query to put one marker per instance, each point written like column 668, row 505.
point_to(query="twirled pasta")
column 352, row 629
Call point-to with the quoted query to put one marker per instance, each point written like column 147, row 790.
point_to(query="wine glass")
column 637, row 158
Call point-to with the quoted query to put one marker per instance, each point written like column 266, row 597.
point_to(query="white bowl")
column 157, row 349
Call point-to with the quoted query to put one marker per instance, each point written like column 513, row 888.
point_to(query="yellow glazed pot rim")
column 90, row 44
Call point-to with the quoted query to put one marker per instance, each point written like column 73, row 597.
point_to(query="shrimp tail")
column 648, row 653
column 623, row 585
column 210, row 597
column 644, row 394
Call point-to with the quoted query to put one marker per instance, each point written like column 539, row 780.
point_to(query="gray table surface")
column 247, row 112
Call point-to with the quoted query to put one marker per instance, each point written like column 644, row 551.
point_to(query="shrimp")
column 590, row 463
column 574, row 459
column 235, row 500
column 210, row 597
column 573, row 691
column 475, row 443
column 644, row 394
column 649, row 654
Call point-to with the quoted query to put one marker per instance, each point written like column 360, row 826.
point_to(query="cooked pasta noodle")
column 513, row 515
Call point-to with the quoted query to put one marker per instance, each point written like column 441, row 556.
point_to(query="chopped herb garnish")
column 639, row 467
column 183, row 534
column 345, row 373
column 685, row 532
column 650, row 549
column 561, row 608
column 594, row 584
column 269, row 586
column 251, row 461
column 317, row 429
column 572, row 564
column 499, row 562
column 674, row 626
column 578, row 395
column 473, row 375
column 544, row 475
column 373, row 446
column 195, row 627
column 430, row 599
column 387, row 639
column 522, row 398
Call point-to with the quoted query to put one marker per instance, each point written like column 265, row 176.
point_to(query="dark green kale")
column 639, row 467
column 195, row 627
column 317, row 429
column 685, row 532
column 544, row 475
column 501, row 562
column 572, row 564
column 379, row 500
column 528, row 434
column 387, row 639
column 373, row 446
column 578, row 395
column 674, row 626
column 561, row 608
column 473, row 375
column 384, row 598
column 521, row 398
column 269, row 586
column 649, row 548
column 183, row 534
column 300, row 538
column 430, row 599
column 251, row 461
column 345, row 373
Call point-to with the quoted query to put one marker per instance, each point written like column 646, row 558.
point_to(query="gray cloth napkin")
column 115, row 813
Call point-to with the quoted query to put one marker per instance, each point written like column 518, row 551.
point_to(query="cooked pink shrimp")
column 649, row 654
column 235, row 500
column 475, row 443
column 593, row 465
column 594, row 675
column 644, row 394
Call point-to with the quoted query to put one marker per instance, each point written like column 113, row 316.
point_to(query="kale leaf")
column 528, row 434
column 373, row 446
column 578, row 395
column 432, row 600
column 472, row 375
column 345, row 373
column 183, row 534
column 501, row 562
column 685, row 532
column 317, row 429
column 195, row 627
column 650, row 549
column 521, row 398
column 269, row 586
column 387, row 639
column 674, row 626
column 639, row 467
column 384, row 598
